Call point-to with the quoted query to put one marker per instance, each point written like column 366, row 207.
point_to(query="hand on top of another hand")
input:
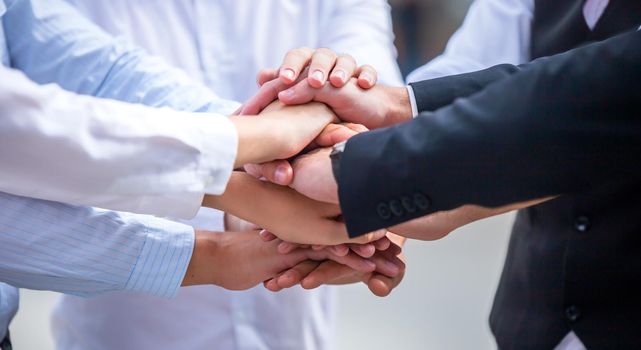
column 311, row 67
column 389, row 272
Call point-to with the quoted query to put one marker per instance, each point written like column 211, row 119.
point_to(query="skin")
column 314, row 68
column 313, row 274
column 222, row 259
column 279, row 134
column 286, row 213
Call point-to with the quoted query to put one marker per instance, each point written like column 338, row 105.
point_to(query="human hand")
column 236, row 224
column 284, row 212
column 321, row 64
column 365, row 250
column 280, row 133
column 241, row 260
column 374, row 108
column 310, row 174
column 312, row 274
column 311, row 67
column 281, row 172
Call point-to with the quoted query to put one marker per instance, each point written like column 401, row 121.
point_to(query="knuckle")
column 325, row 54
column 347, row 59
column 300, row 53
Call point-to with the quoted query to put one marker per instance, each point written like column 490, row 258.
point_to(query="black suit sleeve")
column 563, row 124
column 433, row 94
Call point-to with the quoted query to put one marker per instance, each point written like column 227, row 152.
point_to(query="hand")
column 281, row 172
column 241, row 260
column 284, row 212
column 365, row 250
column 312, row 274
column 236, row 224
column 377, row 107
column 321, row 63
column 280, row 133
column 313, row 176
column 311, row 67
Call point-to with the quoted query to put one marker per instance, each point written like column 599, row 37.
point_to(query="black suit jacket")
column 563, row 124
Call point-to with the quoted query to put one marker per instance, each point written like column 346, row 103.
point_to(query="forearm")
column 86, row 251
column 440, row 224
column 521, row 138
column 251, row 199
column 283, row 211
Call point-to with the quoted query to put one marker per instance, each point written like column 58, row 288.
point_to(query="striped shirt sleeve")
column 87, row 251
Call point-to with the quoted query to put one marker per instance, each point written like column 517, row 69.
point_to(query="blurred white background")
column 443, row 302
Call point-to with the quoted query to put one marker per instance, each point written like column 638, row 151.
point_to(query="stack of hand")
column 298, row 236
column 314, row 101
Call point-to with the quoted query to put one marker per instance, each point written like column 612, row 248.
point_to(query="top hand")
column 311, row 67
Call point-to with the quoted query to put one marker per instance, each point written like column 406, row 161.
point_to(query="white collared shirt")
column 224, row 43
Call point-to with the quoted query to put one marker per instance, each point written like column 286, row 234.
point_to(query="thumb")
column 298, row 94
column 279, row 172
column 335, row 133
column 265, row 75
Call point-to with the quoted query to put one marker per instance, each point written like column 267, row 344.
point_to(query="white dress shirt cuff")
column 410, row 92
column 164, row 258
column 219, row 155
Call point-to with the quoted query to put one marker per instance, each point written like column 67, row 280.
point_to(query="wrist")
column 399, row 107
column 251, row 148
column 200, row 269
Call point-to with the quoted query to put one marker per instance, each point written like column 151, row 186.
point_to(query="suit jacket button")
column 396, row 207
column 582, row 224
column 421, row 201
column 408, row 204
column 572, row 313
column 383, row 211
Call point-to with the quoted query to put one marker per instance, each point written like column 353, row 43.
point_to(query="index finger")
column 294, row 63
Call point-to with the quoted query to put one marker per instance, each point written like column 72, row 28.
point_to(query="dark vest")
column 574, row 263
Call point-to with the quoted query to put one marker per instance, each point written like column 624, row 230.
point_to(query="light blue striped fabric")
column 87, row 251
column 52, row 43
column 79, row 250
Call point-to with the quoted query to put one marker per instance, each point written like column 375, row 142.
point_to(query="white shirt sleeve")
column 494, row 32
column 64, row 147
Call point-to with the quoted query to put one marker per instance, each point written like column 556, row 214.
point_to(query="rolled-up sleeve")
column 87, row 251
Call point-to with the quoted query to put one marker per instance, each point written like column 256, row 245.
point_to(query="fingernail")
column 280, row 175
column 318, row 75
column 370, row 265
column 367, row 77
column 288, row 73
column 391, row 266
column 340, row 75
column 286, row 93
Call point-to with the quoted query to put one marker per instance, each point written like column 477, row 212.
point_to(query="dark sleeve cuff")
column 440, row 92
